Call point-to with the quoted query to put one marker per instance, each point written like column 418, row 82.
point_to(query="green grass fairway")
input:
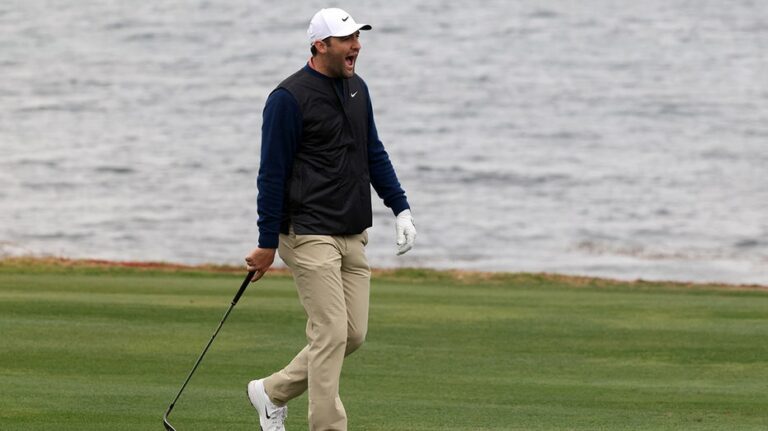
column 94, row 348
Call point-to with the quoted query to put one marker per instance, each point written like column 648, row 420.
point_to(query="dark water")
column 598, row 137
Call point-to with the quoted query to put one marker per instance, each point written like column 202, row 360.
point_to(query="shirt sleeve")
column 280, row 135
column 383, row 176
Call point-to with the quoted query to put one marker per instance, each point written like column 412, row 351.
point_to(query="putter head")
column 166, row 424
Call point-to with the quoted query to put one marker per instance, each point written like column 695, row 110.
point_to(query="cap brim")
column 353, row 29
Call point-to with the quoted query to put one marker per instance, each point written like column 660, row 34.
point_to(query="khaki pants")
column 333, row 281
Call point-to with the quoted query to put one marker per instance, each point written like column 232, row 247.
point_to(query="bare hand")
column 260, row 260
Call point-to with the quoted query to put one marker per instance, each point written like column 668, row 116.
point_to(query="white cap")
column 332, row 22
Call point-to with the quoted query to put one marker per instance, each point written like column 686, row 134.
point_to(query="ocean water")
column 605, row 138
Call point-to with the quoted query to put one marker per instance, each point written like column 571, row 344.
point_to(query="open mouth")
column 350, row 60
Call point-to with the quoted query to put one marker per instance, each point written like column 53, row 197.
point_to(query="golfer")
column 320, row 154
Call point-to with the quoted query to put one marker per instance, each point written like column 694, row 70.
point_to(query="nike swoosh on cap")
column 267, row 412
column 345, row 19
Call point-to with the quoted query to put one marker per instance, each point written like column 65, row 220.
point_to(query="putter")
column 239, row 293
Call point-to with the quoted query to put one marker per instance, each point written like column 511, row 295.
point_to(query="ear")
column 321, row 47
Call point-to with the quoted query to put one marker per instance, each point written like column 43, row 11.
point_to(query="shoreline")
column 454, row 276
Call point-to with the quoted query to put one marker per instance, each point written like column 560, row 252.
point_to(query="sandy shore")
column 35, row 263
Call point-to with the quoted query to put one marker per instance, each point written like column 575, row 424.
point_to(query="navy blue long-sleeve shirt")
column 280, row 139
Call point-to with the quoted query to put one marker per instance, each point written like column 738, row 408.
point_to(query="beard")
column 340, row 67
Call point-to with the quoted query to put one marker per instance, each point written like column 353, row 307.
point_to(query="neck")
column 319, row 66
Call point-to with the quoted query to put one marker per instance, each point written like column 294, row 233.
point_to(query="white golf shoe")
column 271, row 417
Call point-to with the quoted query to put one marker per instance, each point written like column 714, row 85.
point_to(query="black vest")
column 328, row 191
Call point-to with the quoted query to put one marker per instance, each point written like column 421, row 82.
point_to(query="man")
column 320, row 154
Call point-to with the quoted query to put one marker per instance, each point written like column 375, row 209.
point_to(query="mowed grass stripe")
column 86, row 349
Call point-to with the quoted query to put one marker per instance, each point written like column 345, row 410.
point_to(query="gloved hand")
column 406, row 231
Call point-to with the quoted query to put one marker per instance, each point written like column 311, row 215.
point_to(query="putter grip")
column 245, row 284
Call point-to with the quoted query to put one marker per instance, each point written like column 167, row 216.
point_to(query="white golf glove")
column 406, row 231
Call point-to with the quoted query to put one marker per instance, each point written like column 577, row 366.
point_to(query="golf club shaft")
column 239, row 293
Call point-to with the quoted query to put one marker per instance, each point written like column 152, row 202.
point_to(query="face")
column 341, row 54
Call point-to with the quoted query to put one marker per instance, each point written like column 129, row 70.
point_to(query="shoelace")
column 279, row 415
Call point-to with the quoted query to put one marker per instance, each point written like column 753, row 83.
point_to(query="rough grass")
column 90, row 345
